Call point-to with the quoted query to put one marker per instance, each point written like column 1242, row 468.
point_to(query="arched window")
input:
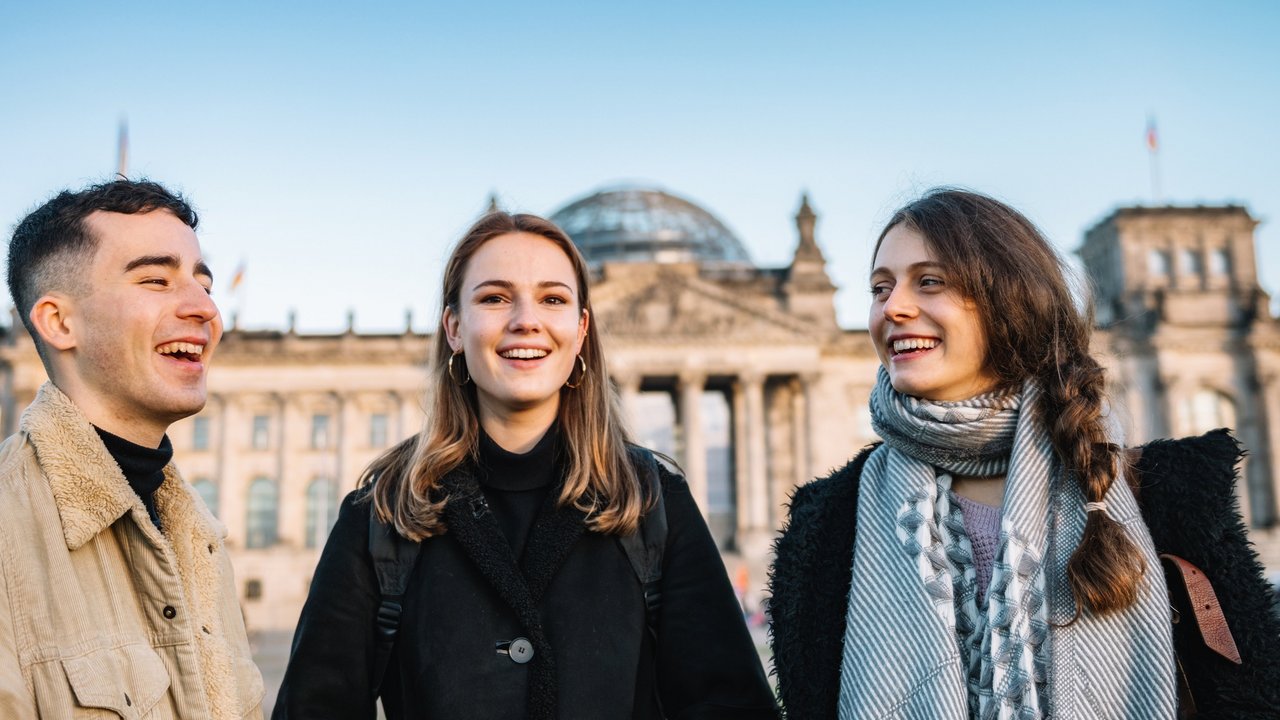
column 378, row 430
column 1220, row 262
column 322, row 510
column 1191, row 262
column 263, row 514
column 200, row 433
column 1158, row 262
column 1207, row 410
column 208, row 493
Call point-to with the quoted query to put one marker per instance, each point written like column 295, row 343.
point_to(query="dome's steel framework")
column 646, row 225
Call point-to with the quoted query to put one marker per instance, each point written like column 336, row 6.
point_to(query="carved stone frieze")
column 667, row 305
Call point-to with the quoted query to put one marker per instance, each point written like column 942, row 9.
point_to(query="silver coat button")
column 521, row 650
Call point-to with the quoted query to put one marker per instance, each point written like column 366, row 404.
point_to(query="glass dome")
column 647, row 225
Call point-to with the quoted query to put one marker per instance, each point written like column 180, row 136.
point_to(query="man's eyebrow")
column 169, row 261
column 922, row 265
column 173, row 262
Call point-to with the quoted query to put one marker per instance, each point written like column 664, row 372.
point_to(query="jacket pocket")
column 251, row 689
column 127, row 681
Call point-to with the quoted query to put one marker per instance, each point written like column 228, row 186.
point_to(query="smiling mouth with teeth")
column 912, row 345
column 182, row 351
column 523, row 354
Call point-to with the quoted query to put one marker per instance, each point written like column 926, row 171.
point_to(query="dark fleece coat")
column 573, row 595
column 1186, row 489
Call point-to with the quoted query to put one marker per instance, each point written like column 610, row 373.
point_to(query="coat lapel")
column 554, row 534
column 473, row 526
column 476, row 530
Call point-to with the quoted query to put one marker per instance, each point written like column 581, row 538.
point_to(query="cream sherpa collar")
column 88, row 487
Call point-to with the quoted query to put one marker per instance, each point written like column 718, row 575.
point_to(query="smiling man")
column 116, row 593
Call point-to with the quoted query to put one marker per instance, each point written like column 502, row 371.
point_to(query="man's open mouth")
column 189, row 352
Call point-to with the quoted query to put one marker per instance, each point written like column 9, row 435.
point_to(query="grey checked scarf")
column 919, row 641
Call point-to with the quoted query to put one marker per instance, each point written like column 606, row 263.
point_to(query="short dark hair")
column 52, row 242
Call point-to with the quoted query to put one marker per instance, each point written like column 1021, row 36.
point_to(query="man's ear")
column 450, row 322
column 53, row 317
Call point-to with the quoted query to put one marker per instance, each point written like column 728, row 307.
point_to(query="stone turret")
column 808, row 291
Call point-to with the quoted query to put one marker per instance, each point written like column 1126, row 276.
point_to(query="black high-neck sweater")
column 142, row 466
column 516, row 484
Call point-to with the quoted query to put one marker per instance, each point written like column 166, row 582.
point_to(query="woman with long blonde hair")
column 555, row 569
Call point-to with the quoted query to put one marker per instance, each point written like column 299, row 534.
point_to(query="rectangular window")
column 319, row 432
column 261, row 432
column 200, row 434
column 378, row 430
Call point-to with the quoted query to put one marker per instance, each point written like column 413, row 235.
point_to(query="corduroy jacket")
column 101, row 614
column 1186, row 492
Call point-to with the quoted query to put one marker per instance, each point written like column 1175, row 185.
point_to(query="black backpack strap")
column 393, row 560
column 645, row 547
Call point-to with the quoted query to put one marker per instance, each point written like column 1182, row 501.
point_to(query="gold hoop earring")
column 466, row 375
column 583, row 364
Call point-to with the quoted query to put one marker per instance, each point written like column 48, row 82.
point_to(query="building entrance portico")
column 740, row 440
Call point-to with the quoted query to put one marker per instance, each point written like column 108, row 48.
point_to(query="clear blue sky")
column 340, row 150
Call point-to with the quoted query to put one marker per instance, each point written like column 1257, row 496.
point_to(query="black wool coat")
column 573, row 595
column 1186, row 490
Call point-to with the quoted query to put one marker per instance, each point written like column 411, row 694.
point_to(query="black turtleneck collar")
column 516, row 485
column 142, row 466
column 513, row 472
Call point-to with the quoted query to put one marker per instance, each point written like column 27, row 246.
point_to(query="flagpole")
column 1153, row 153
column 237, row 292
column 122, row 150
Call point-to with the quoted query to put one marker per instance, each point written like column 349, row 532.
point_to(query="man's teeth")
column 523, row 353
column 176, row 348
column 914, row 344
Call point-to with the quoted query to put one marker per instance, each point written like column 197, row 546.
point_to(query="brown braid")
column 1008, row 269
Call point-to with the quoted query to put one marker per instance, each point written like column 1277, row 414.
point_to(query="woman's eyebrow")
column 508, row 285
column 922, row 265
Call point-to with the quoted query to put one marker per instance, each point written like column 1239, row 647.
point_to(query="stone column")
column 757, row 453
column 800, row 430
column 694, row 444
column 408, row 419
column 1175, row 404
column 231, row 436
column 741, row 461
column 292, row 435
column 629, row 392
column 1269, row 380
column 349, row 438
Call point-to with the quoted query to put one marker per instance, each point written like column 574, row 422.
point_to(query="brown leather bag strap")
column 1204, row 605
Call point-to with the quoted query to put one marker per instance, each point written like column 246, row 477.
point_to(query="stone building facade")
column 739, row 372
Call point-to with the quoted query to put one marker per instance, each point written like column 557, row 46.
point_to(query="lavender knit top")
column 982, row 525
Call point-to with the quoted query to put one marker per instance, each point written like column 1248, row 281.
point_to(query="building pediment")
column 671, row 302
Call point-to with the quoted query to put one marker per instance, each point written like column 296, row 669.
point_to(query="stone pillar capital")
column 627, row 380
column 690, row 377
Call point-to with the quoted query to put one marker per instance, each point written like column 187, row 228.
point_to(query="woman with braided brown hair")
column 990, row 559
